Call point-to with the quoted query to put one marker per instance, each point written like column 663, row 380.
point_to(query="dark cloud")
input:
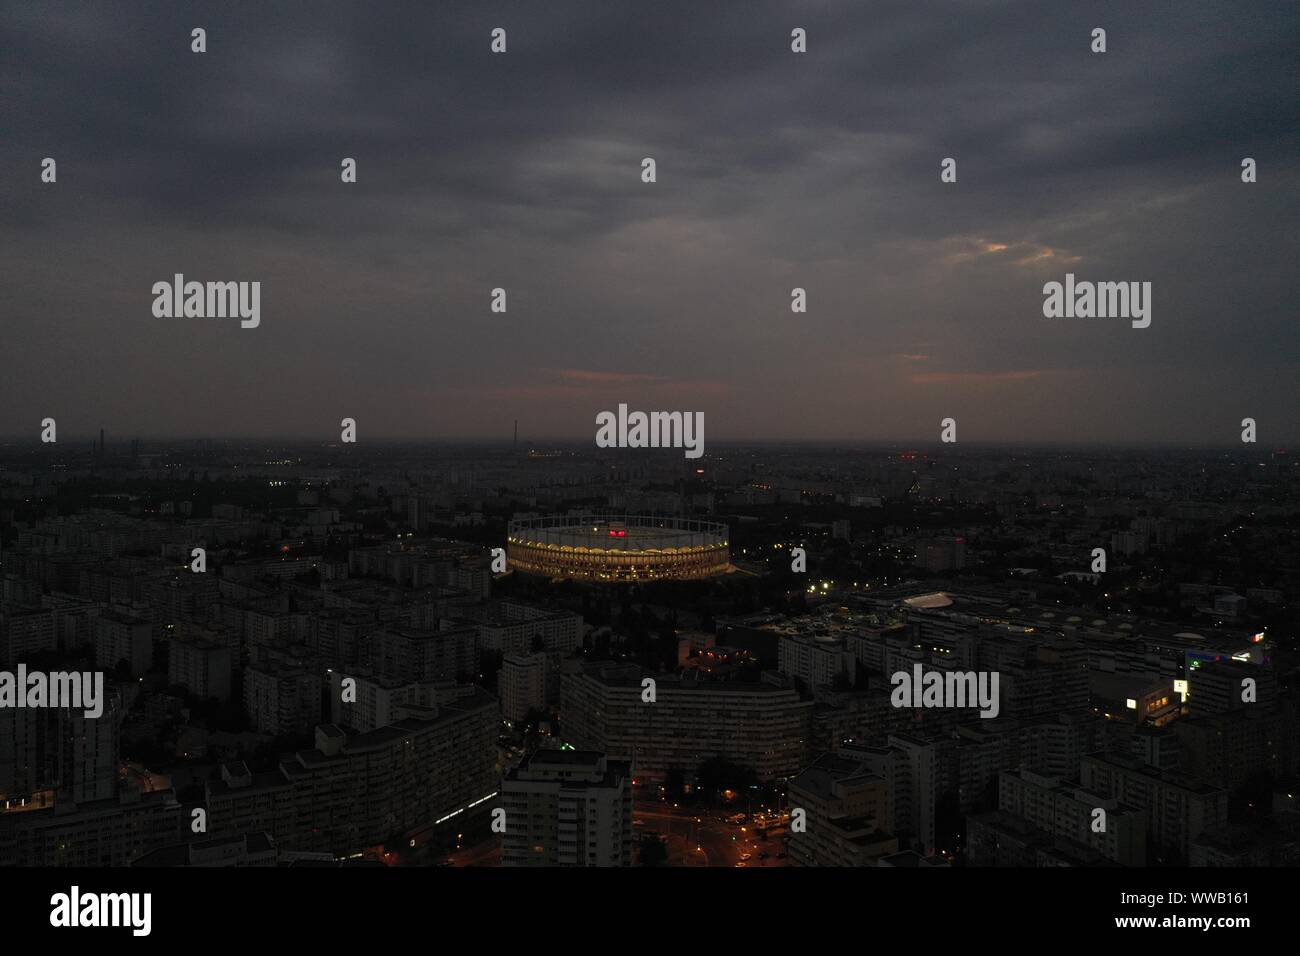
column 775, row 170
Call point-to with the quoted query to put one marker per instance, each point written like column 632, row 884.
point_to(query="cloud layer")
column 775, row 170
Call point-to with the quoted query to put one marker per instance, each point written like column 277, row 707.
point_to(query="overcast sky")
column 775, row 170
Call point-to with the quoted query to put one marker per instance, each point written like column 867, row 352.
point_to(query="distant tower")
column 515, row 447
column 101, row 443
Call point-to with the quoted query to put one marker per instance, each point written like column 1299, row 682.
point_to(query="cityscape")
column 323, row 655
column 445, row 441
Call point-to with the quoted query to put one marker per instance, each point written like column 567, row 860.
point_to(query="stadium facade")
column 619, row 547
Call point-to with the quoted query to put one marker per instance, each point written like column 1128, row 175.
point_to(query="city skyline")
column 540, row 444
column 708, row 665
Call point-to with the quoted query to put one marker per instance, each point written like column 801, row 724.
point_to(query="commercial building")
column 1225, row 686
column 1134, row 697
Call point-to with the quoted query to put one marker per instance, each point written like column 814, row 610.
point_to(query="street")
column 696, row 837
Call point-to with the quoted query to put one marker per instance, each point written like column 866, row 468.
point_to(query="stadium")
column 618, row 548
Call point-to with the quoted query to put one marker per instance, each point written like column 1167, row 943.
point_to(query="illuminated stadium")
column 618, row 548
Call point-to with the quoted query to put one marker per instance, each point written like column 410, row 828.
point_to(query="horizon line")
column 509, row 443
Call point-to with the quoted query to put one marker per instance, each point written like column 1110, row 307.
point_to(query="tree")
column 653, row 851
column 675, row 783
column 949, row 822
column 719, row 773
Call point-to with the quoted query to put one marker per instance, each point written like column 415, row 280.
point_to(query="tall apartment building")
column 997, row 838
column 123, row 637
column 60, row 752
column 761, row 726
column 202, row 667
column 511, row 627
column 1217, row 687
column 380, row 701
column 109, row 582
column 912, row 768
column 1177, row 809
column 951, row 637
column 849, row 810
column 473, row 578
column 1128, row 542
column 568, row 808
column 941, row 554
column 247, row 849
column 25, row 631
column 1047, row 676
column 817, row 661
column 184, row 597
column 1054, row 746
column 916, row 786
column 417, row 654
column 19, row 589
column 867, row 644
column 273, row 628
column 1071, row 812
column 521, row 683
column 337, row 637
column 281, row 699
column 860, row 716
column 974, row 754
column 358, row 791
column 62, row 801
column 1226, row 749
column 428, row 563
column 98, row 833
column 74, row 620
